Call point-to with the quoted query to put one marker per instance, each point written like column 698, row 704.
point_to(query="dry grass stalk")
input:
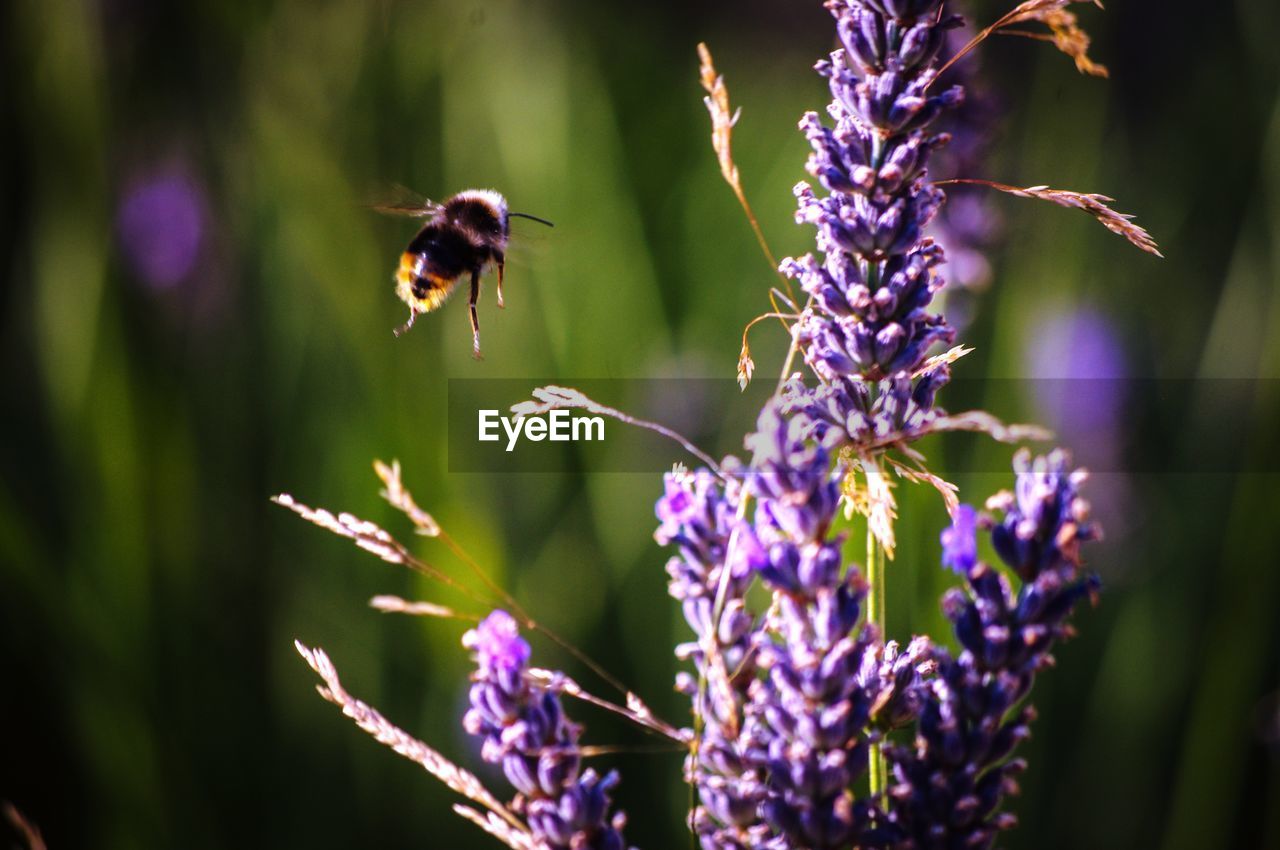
column 979, row 421
column 29, row 832
column 873, row 499
column 395, row 605
column 499, row 829
column 367, row 535
column 384, row 732
column 946, row 358
column 373, row 538
column 1066, row 35
column 635, row 710
column 882, row 508
column 552, row 397
column 1094, row 204
column 402, row 500
column 1064, row 32
column 723, row 119
column 746, row 366
column 919, row 474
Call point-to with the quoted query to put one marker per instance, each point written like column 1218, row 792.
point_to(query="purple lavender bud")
column 791, row 477
column 1045, row 519
column 920, row 45
column 889, row 342
column 497, row 643
column 959, row 541
column 577, row 818
column 896, row 682
column 862, row 33
column 902, row 10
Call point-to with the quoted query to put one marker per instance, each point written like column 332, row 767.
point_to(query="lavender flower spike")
column 525, row 730
column 830, row 689
column 948, row 787
column 877, row 275
column 699, row 515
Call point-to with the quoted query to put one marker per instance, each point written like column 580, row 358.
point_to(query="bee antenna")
column 534, row 217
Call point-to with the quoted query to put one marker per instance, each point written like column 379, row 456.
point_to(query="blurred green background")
column 198, row 316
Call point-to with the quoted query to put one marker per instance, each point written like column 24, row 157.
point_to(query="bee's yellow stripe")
column 438, row 289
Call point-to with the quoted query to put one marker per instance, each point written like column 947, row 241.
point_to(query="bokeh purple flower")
column 161, row 221
column 1080, row 368
column 969, row 225
column 1082, row 382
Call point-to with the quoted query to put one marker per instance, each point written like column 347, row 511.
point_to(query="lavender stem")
column 877, row 769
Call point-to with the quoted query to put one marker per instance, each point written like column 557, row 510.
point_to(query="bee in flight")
column 463, row 235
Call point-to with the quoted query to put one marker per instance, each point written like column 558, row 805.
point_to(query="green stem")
column 877, row 768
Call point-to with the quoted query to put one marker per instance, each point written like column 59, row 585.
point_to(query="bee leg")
column 475, row 321
column 413, row 314
column 501, row 262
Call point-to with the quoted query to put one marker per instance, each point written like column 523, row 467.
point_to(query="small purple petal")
column 959, row 541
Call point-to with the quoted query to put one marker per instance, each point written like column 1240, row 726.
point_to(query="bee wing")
column 526, row 251
column 400, row 200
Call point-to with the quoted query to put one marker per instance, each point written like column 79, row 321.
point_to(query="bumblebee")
column 464, row 235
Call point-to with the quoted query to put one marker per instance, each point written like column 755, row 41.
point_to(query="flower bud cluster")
column 790, row 701
column 948, row 787
column 829, row 686
column 871, row 289
column 863, row 414
column 524, row 729
column 699, row 514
